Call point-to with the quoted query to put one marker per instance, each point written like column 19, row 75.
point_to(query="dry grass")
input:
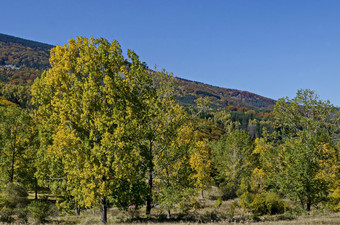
column 207, row 213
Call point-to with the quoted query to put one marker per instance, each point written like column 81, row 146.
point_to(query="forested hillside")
column 189, row 91
column 21, row 61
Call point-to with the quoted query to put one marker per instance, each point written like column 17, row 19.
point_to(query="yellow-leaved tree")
column 90, row 108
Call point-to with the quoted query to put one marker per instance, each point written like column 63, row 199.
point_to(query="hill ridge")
column 25, row 42
column 22, row 60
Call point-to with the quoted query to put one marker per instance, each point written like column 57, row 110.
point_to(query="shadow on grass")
column 175, row 218
column 205, row 218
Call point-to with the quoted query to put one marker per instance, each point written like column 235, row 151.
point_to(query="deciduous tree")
column 307, row 151
column 91, row 105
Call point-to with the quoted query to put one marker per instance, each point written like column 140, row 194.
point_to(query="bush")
column 39, row 210
column 260, row 204
column 228, row 190
column 334, row 200
column 23, row 215
column 3, row 202
column 15, row 195
column 232, row 208
column 6, row 216
column 274, row 204
column 219, row 202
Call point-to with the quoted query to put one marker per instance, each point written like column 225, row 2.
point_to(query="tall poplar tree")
column 91, row 105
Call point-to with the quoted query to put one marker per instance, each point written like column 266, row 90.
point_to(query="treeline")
column 98, row 130
column 299, row 159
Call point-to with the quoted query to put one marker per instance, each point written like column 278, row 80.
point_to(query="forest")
column 98, row 131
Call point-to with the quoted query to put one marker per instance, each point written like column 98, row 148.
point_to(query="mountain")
column 21, row 61
column 188, row 91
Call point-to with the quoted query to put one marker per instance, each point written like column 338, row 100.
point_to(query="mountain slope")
column 188, row 91
column 21, row 61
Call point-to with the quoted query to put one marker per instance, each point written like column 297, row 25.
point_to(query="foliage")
column 307, row 156
column 16, row 140
column 334, row 200
column 200, row 162
column 263, row 203
column 334, row 196
column 39, row 210
column 23, row 215
column 232, row 157
column 91, row 104
column 5, row 103
column 168, row 144
column 219, row 202
column 18, row 94
column 6, row 215
column 15, row 195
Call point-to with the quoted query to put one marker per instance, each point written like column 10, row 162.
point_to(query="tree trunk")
column 35, row 189
column 149, row 197
column 77, row 210
column 202, row 195
column 309, row 204
column 11, row 179
column 103, row 211
column 150, row 179
column 168, row 216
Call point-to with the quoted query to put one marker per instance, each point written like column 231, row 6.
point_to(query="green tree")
column 16, row 137
column 164, row 144
column 91, row 106
column 232, row 156
column 307, row 152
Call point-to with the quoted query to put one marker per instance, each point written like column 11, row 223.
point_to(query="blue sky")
column 269, row 47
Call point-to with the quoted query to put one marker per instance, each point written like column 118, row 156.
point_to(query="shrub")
column 185, row 207
column 39, row 210
column 218, row 202
column 232, row 207
column 334, row 200
column 274, row 204
column 260, row 204
column 3, row 202
column 228, row 190
column 15, row 195
column 23, row 215
column 6, row 215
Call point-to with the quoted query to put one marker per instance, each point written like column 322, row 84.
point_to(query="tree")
column 307, row 152
column 91, row 105
column 17, row 156
column 165, row 145
column 200, row 162
column 232, row 156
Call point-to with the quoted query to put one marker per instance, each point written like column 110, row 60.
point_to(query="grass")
column 208, row 213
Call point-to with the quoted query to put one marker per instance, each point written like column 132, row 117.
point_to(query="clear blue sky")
column 269, row 47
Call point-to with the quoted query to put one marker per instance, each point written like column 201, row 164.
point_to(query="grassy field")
column 208, row 213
